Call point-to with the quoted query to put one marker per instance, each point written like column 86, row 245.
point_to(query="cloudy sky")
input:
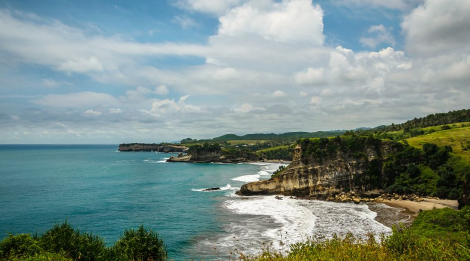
column 163, row 70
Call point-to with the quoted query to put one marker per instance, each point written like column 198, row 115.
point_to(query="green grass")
column 249, row 142
column 442, row 224
column 457, row 137
column 274, row 148
column 402, row 245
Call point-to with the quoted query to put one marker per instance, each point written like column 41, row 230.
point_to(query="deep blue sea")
column 100, row 190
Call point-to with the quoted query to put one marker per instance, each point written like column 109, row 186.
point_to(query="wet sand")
column 413, row 207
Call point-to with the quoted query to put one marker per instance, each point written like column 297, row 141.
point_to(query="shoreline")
column 413, row 207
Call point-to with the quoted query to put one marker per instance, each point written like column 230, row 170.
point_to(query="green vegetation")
column 62, row 242
column 289, row 136
column 316, row 150
column 440, row 234
column 446, row 225
column 458, row 138
column 205, row 148
column 280, row 152
column 430, row 120
column 426, row 170
column 245, row 142
column 237, row 153
column 279, row 171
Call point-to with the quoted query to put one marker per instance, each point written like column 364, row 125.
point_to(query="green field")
column 248, row 142
column 457, row 137
column 274, row 148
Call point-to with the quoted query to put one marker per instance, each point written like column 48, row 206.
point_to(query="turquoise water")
column 102, row 191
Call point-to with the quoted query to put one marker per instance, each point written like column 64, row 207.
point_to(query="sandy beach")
column 413, row 207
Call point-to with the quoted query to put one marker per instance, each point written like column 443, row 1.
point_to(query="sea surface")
column 100, row 190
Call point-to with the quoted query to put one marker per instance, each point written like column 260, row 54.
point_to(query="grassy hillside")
column 289, row 136
column 241, row 142
column 278, row 153
column 430, row 120
column 457, row 137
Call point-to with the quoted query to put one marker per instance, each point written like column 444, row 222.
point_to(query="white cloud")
column 275, row 21
column 167, row 107
column 382, row 35
column 459, row 71
column 278, row 94
column 327, row 93
column 185, row 22
column 315, row 100
column 161, row 90
column 133, row 96
column 244, row 64
column 208, row 6
column 438, row 27
column 310, row 77
column 395, row 4
column 115, row 111
column 143, row 90
column 405, row 66
column 225, row 74
column 81, row 65
column 77, row 100
column 164, row 107
column 92, row 112
column 53, row 83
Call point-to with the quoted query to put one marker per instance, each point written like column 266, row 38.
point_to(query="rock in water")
column 211, row 189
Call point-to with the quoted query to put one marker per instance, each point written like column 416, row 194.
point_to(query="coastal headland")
column 166, row 148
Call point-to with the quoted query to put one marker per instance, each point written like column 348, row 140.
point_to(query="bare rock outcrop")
column 325, row 177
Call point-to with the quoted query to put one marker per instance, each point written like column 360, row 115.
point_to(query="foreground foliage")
column 62, row 242
column 436, row 235
column 439, row 234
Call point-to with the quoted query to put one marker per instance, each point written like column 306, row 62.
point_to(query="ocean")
column 100, row 190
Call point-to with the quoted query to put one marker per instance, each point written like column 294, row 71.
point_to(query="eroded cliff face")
column 336, row 173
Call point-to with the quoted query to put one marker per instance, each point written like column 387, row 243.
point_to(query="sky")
column 108, row 72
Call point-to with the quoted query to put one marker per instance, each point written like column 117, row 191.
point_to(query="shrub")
column 22, row 245
column 64, row 239
column 140, row 244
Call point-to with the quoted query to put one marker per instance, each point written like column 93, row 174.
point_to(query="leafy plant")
column 22, row 245
column 140, row 244
column 62, row 238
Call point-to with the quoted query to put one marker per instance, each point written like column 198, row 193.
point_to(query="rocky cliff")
column 167, row 148
column 207, row 153
column 328, row 167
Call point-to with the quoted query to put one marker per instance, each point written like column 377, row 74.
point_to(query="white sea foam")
column 248, row 178
column 267, row 169
column 163, row 160
column 295, row 223
column 155, row 161
column 253, row 222
column 256, row 221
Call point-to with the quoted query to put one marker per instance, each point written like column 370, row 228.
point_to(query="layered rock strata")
column 323, row 178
